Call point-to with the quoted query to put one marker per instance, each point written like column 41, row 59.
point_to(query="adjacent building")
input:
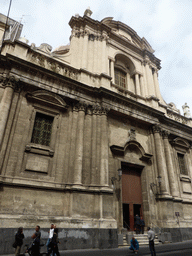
column 86, row 139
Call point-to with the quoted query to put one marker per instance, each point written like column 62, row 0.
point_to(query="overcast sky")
column 165, row 24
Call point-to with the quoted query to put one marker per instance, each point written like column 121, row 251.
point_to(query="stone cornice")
column 53, row 186
column 66, row 87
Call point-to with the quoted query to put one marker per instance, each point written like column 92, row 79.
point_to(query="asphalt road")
column 172, row 249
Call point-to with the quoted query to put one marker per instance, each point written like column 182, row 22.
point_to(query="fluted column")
column 161, row 164
column 6, row 101
column 104, row 169
column 79, row 144
column 172, row 181
column 137, row 85
column 93, row 146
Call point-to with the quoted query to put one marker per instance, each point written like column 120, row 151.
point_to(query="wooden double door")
column 131, row 195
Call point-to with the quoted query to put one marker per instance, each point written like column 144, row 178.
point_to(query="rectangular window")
column 42, row 129
column 120, row 78
column 182, row 165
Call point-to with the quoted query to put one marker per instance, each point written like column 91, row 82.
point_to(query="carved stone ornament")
column 132, row 134
column 156, row 129
column 96, row 109
column 10, row 81
column 81, row 106
column 165, row 134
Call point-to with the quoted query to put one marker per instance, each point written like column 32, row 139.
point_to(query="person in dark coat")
column 137, row 224
column 19, row 241
column 142, row 224
column 54, row 244
column 134, row 245
column 35, row 247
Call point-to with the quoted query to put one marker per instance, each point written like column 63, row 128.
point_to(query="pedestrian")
column 51, row 231
column 19, row 236
column 35, row 247
column 54, row 244
column 134, row 245
column 151, row 237
column 137, row 224
column 142, row 224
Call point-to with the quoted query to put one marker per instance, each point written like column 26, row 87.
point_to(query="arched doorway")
column 131, row 194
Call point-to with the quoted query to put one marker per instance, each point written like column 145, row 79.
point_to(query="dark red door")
column 131, row 193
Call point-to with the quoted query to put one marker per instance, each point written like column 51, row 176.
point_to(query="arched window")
column 123, row 70
column 120, row 78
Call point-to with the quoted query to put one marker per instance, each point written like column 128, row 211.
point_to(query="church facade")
column 86, row 139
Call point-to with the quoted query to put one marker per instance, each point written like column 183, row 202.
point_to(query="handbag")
column 14, row 245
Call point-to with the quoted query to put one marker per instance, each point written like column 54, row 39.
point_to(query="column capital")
column 10, row 81
column 156, row 129
column 81, row 106
column 104, row 110
column 165, row 134
column 100, row 110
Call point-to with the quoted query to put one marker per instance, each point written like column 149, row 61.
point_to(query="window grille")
column 120, row 78
column 42, row 129
column 182, row 165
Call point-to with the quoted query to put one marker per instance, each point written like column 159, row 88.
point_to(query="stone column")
column 156, row 83
column 95, row 63
column 93, row 145
column 85, row 35
column 172, row 179
column 150, row 83
column 113, row 70
column 6, row 101
column 142, row 86
column 161, row 164
column 137, row 85
column 103, row 63
column 104, row 165
column 79, row 145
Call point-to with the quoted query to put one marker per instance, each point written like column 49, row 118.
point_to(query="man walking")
column 51, row 231
column 151, row 237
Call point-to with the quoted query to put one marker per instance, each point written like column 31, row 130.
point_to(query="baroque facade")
column 71, row 118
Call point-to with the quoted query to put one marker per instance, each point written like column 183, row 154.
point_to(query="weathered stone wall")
column 70, row 239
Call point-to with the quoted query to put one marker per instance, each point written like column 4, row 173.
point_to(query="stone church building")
column 86, row 139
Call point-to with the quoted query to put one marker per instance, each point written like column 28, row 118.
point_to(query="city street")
column 176, row 249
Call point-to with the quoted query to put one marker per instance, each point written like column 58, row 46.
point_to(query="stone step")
column 141, row 238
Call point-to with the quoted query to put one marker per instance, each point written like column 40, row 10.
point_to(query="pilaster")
column 161, row 164
column 10, row 83
column 173, row 188
column 81, row 107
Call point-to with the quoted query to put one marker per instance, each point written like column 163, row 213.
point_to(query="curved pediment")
column 127, row 33
column 131, row 147
column 47, row 98
column 180, row 143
